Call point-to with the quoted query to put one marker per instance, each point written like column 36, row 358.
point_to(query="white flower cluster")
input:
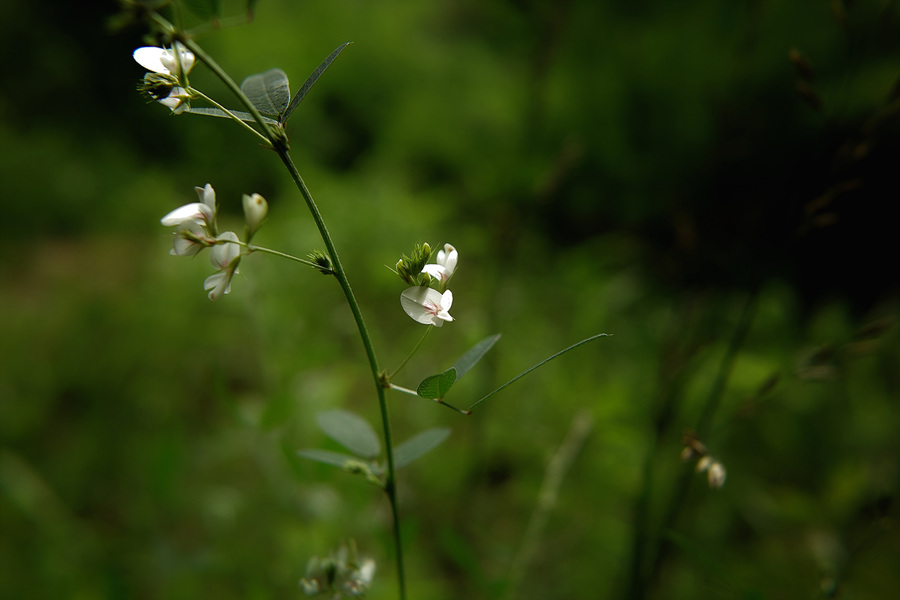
column 706, row 463
column 168, row 70
column 344, row 574
column 425, row 304
column 196, row 229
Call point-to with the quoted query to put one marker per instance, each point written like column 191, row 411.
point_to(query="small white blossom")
column 716, row 475
column 161, row 60
column 178, row 100
column 446, row 265
column 255, row 210
column 427, row 306
column 195, row 212
column 359, row 580
column 195, row 223
column 224, row 257
column 190, row 238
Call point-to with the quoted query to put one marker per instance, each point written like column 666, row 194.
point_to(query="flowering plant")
column 266, row 105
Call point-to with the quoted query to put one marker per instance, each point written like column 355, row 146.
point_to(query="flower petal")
column 427, row 306
column 150, row 57
column 189, row 212
column 218, row 284
column 207, row 196
column 223, row 255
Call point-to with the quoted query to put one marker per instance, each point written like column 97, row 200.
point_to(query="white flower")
column 195, row 223
column 203, row 212
column 160, row 60
column 358, row 581
column 255, row 210
column 716, row 475
column 178, row 100
column 446, row 265
column 427, row 306
column 224, row 257
column 190, row 238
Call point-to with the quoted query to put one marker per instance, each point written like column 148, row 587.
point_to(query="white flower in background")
column 716, row 475
column 359, row 579
column 446, row 265
column 427, row 306
column 161, row 60
column 225, row 258
column 715, row 471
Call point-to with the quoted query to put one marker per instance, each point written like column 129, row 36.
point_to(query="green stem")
column 230, row 114
column 411, row 354
column 390, row 484
column 255, row 248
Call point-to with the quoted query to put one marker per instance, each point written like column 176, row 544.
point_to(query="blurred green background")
column 670, row 173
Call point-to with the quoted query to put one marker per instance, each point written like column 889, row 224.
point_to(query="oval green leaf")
column 418, row 445
column 436, row 387
column 269, row 92
column 351, row 431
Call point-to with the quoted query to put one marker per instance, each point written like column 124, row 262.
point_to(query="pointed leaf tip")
column 351, row 431
column 311, row 80
column 470, row 358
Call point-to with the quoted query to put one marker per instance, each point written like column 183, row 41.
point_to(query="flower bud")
column 255, row 210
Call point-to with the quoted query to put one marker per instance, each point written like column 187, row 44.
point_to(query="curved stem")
column 280, row 146
column 390, row 484
column 255, row 248
column 411, row 354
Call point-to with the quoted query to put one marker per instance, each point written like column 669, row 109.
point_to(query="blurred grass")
column 599, row 167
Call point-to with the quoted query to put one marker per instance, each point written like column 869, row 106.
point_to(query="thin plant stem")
column 390, row 484
column 411, row 354
column 438, row 400
column 255, row 248
column 230, row 114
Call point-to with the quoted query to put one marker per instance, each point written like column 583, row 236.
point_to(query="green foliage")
column 351, row 431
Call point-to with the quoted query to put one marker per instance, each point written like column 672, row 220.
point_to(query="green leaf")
column 311, row 80
column 436, row 386
column 215, row 112
column 326, row 456
column 530, row 369
column 251, row 6
column 351, row 431
column 418, row 445
column 205, row 9
column 269, row 92
column 468, row 360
